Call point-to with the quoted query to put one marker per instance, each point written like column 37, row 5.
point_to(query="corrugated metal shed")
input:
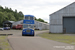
column 41, row 25
column 38, row 25
column 56, row 19
column 18, row 22
column 8, row 23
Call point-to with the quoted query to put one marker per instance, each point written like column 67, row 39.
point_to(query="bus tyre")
column 33, row 35
column 22, row 35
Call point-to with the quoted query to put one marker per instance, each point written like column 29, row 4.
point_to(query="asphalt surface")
column 19, row 42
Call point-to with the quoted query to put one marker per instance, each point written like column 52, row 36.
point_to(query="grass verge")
column 4, row 45
column 59, row 37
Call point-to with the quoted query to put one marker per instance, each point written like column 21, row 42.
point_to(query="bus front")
column 28, row 27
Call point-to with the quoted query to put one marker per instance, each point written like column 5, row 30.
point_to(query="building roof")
column 62, row 8
column 41, row 22
column 9, row 21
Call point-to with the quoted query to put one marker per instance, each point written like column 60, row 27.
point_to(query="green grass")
column 59, row 37
column 4, row 45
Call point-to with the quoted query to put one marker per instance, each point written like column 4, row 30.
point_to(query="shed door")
column 69, row 24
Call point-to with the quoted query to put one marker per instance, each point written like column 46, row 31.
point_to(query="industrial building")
column 38, row 25
column 63, row 20
column 18, row 22
column 8, row 24
column 41, row 25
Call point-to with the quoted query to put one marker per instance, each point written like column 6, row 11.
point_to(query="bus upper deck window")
column 26, row 18
column 31, row 18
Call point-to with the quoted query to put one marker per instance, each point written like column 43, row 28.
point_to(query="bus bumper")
column 25, row 33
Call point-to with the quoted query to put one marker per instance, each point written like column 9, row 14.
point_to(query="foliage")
column 8, row 14
column 41, row 20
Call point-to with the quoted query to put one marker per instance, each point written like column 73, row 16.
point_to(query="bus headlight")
column 32, row 31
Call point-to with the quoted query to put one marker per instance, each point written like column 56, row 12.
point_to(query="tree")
column 1, row 18
column 20, row 13
column 11, row 17
column 41, row 20
column 35, row 18
column 8, row 14
column 1, row 7
column 45, row 22
column 15, row 11
column 5, row 17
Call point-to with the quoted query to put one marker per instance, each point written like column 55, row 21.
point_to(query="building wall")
column 41, row 25
column 56, row 19
column 38, row 25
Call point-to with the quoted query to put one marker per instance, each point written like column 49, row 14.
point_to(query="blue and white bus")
column 28, row 25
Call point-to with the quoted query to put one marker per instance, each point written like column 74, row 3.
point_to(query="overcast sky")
column 38, row 8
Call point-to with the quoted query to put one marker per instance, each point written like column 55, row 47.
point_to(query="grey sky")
column 38, row 8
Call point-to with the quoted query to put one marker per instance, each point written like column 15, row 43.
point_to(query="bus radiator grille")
column 28, row 30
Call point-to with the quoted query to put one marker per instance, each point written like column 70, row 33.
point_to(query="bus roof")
column 29, row 15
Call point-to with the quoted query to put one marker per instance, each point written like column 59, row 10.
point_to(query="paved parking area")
column 10, row 31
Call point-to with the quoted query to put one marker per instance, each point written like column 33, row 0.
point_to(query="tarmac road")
column 19, row 42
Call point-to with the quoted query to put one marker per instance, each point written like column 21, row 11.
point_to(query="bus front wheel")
column 33, row 35
column 22, row 35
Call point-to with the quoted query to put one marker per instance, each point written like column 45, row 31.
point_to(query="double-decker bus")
column 28, row 25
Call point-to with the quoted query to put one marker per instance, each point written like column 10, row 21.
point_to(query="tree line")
column 41, row 20
column 7, row 14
